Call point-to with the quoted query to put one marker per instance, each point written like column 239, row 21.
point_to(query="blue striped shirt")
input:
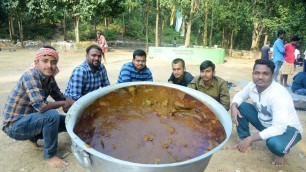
column 278, row 50
column 129, row 73
column 83, row 81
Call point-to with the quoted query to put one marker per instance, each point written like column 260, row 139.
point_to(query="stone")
column 299, row 101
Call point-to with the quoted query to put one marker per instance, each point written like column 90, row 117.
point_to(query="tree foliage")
column 231, row 24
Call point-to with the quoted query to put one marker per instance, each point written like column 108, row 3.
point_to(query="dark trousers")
column 278, row 145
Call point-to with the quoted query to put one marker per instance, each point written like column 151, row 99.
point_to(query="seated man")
column 28, row 115
column 88, row 76
column 135, row 70
column 299, row 82
column 271, row 112
column 179, row 75
column 211, row 85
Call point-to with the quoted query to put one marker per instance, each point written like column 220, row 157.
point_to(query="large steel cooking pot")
column 96, row 161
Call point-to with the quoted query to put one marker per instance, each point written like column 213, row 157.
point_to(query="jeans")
column 41, row 125
column 278, row 65
column 279, row 145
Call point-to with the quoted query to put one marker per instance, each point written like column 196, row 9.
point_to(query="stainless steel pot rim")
column 78, row 107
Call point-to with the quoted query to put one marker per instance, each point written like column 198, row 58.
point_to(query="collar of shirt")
column 281, row 40
column 266, row 90
column 212, row 84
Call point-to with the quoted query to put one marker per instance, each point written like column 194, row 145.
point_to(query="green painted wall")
column 190, row 55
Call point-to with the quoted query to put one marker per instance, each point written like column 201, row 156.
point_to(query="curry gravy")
column 150, row 125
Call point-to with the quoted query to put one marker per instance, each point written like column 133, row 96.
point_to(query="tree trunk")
column 123, row 26
column 106, row 23
column 64, row 26
column 10, row 28
column 157, row 24
column 161, row 26
column 95, row 22
column 257, row 32
column 211, row 27
column 21, row 32
column 231, row 44
column 223, row 38
column 233, row 31
column 198, row 37
column 189, row 23
column 76, row 29
column 257, row 28
column 205, row 24
column 266, row 37
column 147, row 26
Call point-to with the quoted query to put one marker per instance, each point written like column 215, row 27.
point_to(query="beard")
column 94, row 66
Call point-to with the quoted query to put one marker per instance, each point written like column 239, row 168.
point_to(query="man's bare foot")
column 278, row 161
column 235, row 147
column 57, row 162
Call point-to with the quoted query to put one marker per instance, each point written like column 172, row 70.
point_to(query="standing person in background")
column 174, row 42
column 102, row 43
column 265, row 51
column 288, row 66
column 278, row 52
column 297, row 55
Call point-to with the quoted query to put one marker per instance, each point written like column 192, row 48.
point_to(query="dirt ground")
column 20, row 156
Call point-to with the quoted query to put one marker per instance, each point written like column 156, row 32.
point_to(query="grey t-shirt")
column 265, row 52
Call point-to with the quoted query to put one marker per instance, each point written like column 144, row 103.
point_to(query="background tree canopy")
column 231, row 24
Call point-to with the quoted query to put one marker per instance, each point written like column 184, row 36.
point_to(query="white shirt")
column 275, row 108
column 296, row 53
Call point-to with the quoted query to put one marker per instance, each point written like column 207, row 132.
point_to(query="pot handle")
column 81, row 156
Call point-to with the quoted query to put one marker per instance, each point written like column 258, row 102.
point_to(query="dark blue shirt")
column 129, row 73
column 299, row 81
column 187, row 78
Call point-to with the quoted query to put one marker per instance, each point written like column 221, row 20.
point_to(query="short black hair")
column 268, row 63
column 139, row 53
column 49, row 46
column 207, row 63
column 177, row 60
column 279, row 32
column 93, row 47
column 295, row 38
